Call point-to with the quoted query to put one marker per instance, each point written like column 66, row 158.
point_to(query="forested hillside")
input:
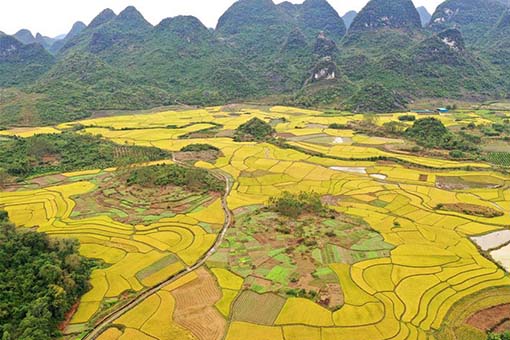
column 300, row 54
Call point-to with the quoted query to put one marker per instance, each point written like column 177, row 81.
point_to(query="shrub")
column 199, row 147
column 336, row 126
column 457, row 154
column 407, row 118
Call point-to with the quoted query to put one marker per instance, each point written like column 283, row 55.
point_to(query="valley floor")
column 405, row 279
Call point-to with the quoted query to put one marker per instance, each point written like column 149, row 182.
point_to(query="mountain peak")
column 382, row 14
column 289, row 7
column 425, row 16
column 25, row 36
column 319, row 16
column 102, row 18
column 349, row 18
column 188, row 28
column 78, row 26
column 130, row 12
column 245, row 13
column 132, row 16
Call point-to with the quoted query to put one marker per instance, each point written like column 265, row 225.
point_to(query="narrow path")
column 114, row 315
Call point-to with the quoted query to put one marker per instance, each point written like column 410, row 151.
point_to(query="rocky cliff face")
column 474, row 18
column 445, row 48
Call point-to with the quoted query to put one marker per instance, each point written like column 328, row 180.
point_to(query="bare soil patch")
column 194, row 307
column 209, row 156
column 468, row 182
column 495, row 319
column 471, row 209
column 136, row 204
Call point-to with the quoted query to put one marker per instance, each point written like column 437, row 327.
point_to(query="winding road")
column 114, row 315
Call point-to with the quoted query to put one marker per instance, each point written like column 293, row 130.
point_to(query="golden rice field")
column 433, row 267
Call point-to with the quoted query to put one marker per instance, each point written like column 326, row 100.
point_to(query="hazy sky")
column 54, row 17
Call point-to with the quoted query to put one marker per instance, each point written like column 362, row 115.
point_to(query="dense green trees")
column 293, row 205
column 199, row 148
column 428, row 131
column 376, row 98
column 40, row 279
column 255, row 129
column 187, row 177
column 68, row 151
column 504, row 336
column 431, row 133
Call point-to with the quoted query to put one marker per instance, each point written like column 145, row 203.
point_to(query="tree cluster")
column 199, row 148
column 494, row 336
column 187, row 177
column 69, row 151
column 255, row 129
column 431, row 133
column 40, row 280
column 293, row 205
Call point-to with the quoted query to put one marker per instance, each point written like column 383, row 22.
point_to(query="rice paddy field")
column 398, row 268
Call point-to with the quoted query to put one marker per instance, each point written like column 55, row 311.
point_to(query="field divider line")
column 102, row 324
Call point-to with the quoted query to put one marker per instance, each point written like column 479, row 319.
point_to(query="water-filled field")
column 398, row 268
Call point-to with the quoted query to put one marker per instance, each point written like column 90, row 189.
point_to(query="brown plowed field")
column 194, row 307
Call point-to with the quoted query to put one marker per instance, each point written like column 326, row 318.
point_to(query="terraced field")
column 419, row 261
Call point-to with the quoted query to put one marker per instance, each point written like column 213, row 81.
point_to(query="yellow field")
column 29, row 132
column 406, row 296
column 227, row 280
column 128, row 250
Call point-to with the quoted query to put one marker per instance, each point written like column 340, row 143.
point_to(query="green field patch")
column 376, row 242
column 279, row 274
column 258, row 288
column 283, row 258
column 317, row 255
column 276, row 252
column 379, row 203
column 155, row 218
column 261, row 309
column 157, row 266
column 324, row 271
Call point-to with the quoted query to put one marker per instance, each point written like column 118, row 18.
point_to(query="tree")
column 370, row 119
column 394, row 128
column 4, row 178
